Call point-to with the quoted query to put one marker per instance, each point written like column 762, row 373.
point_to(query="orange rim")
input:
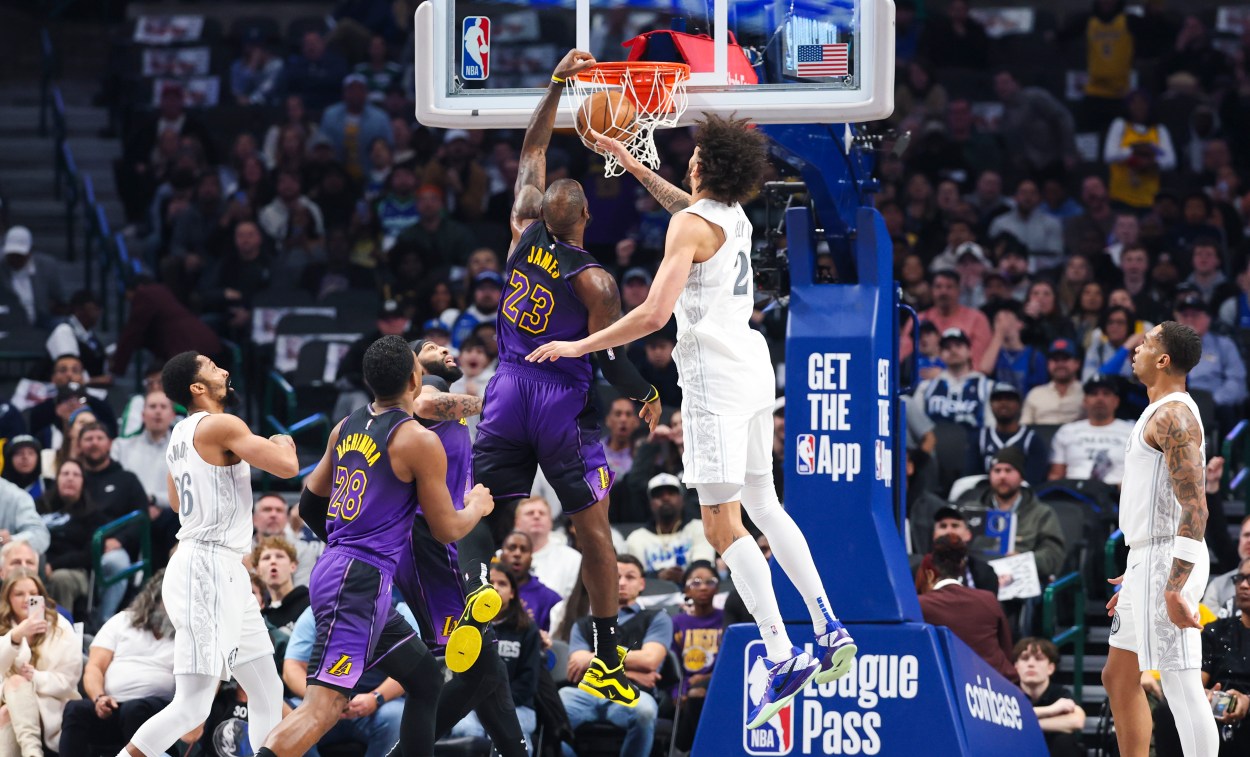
column 652, row 81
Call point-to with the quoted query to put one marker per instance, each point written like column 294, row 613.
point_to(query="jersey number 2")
column 744, row 268
column 349, row 493
column 528, row 305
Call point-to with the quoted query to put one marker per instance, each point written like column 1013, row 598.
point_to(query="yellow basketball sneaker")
column 612, row 685
column 465, row 642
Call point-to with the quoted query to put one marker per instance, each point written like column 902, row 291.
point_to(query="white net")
column 638, row 97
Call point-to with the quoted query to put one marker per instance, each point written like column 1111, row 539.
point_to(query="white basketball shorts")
column 1141, row 624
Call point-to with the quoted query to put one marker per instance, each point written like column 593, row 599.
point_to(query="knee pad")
column 718, row 494
column 759, row 494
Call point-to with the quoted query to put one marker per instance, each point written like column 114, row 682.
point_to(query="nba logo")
column 475, row 52
column 776, row 736
column 805, row 452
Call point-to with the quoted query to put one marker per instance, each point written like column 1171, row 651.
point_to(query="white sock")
column 754, row 582
column 759, row 498
column 260, row 680
column 1195, row 724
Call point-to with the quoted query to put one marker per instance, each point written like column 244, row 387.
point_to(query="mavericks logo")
column 776, row 737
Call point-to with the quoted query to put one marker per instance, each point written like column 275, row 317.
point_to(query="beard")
column 449, row 373
column 667, row 512
column 230, row 398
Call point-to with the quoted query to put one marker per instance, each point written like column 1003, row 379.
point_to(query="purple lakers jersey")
column 540, row 306
column 370, row 509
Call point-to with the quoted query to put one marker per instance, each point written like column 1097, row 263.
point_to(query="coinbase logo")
column 777, row 735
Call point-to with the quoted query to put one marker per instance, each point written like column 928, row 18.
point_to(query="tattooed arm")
column 439, row 406
column 670, row 197
column 1175, row 432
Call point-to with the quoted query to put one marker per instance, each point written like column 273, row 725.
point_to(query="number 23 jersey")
column 723, row 364
column 214, row 501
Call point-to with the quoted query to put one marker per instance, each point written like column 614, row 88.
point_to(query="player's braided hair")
column 732, row 158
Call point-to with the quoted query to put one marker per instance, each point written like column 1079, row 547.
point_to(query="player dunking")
column 380, row 465
column 207, row 594
column 727, row 392
column 546, row 414
column 1163, row 514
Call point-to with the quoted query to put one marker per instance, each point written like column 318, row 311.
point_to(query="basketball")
column 610, row 113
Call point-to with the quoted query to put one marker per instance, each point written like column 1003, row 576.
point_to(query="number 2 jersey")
column 539, row 304
column 214, row 501
column 723, row 364
column 370, row 510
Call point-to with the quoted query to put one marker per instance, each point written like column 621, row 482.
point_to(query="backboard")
column 484, row 63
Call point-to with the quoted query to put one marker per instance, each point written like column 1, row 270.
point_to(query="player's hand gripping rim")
column 573, row 63
column 608, row 146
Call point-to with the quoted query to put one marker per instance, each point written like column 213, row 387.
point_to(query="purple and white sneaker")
column 784, row 682
column 837, row 649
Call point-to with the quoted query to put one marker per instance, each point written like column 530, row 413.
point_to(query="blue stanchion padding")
column 915, row 690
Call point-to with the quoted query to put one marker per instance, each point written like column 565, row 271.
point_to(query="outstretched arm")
column 531, row 179
column 671, row 197
column 275, row 455
column 434, row 405
column 1176, row 433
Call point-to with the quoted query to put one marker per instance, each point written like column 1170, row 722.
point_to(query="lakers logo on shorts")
column 449, row 625
column 342, row 667
column 604, row 478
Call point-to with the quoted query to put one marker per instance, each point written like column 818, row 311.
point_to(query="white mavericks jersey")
column 1148, row 506
column 214, row 501
column 723, row 364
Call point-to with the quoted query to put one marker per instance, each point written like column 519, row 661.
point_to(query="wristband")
column 1189, row 550
column 652, row 395
column 557, row 80
column 380, row 699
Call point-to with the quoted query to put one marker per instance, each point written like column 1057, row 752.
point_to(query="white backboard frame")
column 435, row 62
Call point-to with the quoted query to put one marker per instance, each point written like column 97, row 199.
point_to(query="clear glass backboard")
column 485, row 63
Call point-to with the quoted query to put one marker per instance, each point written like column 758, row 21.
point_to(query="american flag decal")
column 823, row 60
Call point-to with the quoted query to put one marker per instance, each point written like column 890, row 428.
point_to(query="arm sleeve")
column 622, row 374
column 312, row 510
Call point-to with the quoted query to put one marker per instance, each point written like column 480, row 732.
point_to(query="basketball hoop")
column 657, row 92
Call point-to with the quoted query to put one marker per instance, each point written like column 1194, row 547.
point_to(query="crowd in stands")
column 1036, row 265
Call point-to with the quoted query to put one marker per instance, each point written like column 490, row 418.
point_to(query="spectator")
column 441, row 240
column 1222, row 588
column 1038, row 132
column 41, row 663
column 271, row 519
column 1208, row 272
column 379, row 72
column 1097, row 218
column 1139, row 149
column 1008, row 359
column 1234, row 312
column 161, row 324
column 956, row 39
column 552, row 561
column 1060, row 717
column 1090, row 304
column 374, row 707
column 657, row 366
column 128, row 678
column 1125, row 232
column 1221, row 370
column 947, row 314
column 1062, row 399
column 68, row 380
column 987, row 199
column 292, row 220
column 74, row 336
column 295, row 117
column 1025, row 523
column 114, row 489
column 465, row 185
column 275, row 563
column 949, row 520
column 352, row 125
column 635, row 287
column 1148, row 299
column 1111, row 345
column 958, row 394
column 520, row 647
column 243, row 271
column 1007, row 431
column 256, row 76
column 973, row 615
column 1056, row 202
column 971, row 265
column 69, row 449
column 315, row 73
column 33, row 277
column 18, row 555
column 1045, row 320
column 72, row 517
column 144, row 454
column 1037, row 230
column 138, row 172
column 516, row 555
column 668, row 543
column 484, row 306
column 338, row 272
column 618, row 444
column 928, row 362
column 19, row 520
column 646, row 634
column 697, row 635
column 22, row 465
column 1195, row 54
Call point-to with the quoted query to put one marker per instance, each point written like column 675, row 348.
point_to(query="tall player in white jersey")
column 207, row 592
column 728, row 391
column 1163, row 514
